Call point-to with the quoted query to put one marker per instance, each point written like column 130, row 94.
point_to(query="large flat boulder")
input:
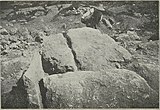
column 95, row 51
column 57, row 57
column 117, row 88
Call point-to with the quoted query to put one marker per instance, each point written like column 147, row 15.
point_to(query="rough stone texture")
column 95, row 51
column 11, row 71
column 129, row 36
column 149, row 72
column 149, row 48
column 27, row 92
column 57, row 57
column 3, row 31
column 117, row 10
column 127, row 22
column 144, row 52
column 117, row 88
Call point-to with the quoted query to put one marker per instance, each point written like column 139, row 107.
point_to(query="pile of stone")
column 80, row 69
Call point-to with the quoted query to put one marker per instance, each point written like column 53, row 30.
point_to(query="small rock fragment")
column 3, row 31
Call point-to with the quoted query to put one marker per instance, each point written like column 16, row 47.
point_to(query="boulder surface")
column 95, row 51
column 117, row 88
column 56, row 55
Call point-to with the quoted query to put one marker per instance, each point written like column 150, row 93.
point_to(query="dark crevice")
column 43, row 91
column 54, row 68
column 17, row 97
column 47, row 67
column 69, row 43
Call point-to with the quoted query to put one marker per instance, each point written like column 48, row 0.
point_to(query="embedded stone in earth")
column 117, row 88
column 150, row 72
column 27, row 92
column 95, row 51
column 3, row 31
column 57, row 57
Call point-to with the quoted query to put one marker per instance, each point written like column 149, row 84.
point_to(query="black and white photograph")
column 79, row 54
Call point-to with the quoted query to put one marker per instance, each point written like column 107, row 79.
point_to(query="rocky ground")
column 50, row 59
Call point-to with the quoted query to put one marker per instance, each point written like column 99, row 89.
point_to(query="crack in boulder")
column 43, row 92
column 57, row 58
column 69, row 43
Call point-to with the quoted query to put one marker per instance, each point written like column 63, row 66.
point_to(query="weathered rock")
column 1, row 27
column 131, row 46
column 95, row 51
column 127, row 22
column 27, row 92
column 13, row 31
column 11, row 71
column 145, row 52
column 4, row 52
column 149, row 72
column 118, row 10
column 14, row 45
column 39, row 37
column 13, row 38
column 129, row 36
column 31, row 79
column 149, row 48
column 86, row 89
column 24, row 34
column 57, row 56
column 3, row 31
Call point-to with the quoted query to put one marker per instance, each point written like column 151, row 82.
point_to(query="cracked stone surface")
column 56, row 55
column 87, row 89
column 149, row 72
column 75, row 66
column 11, row 71
column 27, row 92
column 96, row 51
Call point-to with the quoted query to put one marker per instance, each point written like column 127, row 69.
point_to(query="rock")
column 23, row 31
column 129, row 36
column 117, row 10
column 118, row 88
column 94, row 51
column 133, row 34
column 149, row 72
column 39, row 13
column 14, row 45
column 47, row 31
column 127, row 22
column 4, row 52
column 1, row 47
column 33, row 17
column 57, row 57
column 13, row 31
column 10, row 24
column 154, row 37
column 13, row 38
column 150, row 49
column 1, row 27
column 1, row 37
column 39, row 37
column 11, row 71
column 137, row 14
column 13, row 21
column 3, row 31
column 27, row 92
